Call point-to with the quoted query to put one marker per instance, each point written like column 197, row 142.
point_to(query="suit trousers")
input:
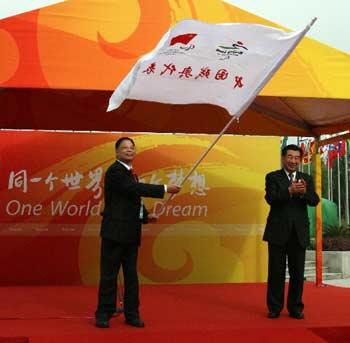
column 277, row 274
column 114, row 255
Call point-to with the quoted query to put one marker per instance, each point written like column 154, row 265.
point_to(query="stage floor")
column 173, row 313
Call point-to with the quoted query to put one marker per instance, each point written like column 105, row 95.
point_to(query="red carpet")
column 173, row 313
column 334, row 334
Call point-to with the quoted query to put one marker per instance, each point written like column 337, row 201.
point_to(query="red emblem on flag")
column 183, row 39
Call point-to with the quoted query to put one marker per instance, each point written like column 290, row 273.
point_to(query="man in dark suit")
column 123, row 216
column 288, row 192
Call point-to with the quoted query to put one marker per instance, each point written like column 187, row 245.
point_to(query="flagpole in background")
column 339, row 195
column 298, row 144
column 319, row 224
column 302, row 146
column 328, row 178
column 309, row 158
column 331, row 181
column 347, row 217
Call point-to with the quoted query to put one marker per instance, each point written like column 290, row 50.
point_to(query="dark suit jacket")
column 288, row 212
column 122, row 197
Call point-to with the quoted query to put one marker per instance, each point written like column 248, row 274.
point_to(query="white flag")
column 221, row 64
column 9, row 8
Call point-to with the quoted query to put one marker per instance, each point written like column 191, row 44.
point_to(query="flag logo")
column 182, row 39
column 180, row 44
column 235, row 49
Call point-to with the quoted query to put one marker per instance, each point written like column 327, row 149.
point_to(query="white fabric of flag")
column 199, row 63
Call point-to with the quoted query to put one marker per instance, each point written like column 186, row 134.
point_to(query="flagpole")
column 331, row 187
column 205, row 153
column 302, row 160
column 309, row 158
column 347, row 216
column 319, row 224
column 328, row 180
column 339, row 195
column 298, row 144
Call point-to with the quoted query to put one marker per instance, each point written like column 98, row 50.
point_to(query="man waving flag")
column 221, row 64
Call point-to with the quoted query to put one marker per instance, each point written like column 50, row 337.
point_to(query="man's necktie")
column 134, row 175
column 290, row 175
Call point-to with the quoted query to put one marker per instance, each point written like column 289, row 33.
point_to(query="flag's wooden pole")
column 205, row 153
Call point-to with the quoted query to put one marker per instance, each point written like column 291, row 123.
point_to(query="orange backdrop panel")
column 51, row 196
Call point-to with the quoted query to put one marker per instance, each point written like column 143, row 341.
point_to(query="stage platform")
column 173, row 313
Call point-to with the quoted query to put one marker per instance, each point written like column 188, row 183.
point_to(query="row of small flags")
column 329, row 153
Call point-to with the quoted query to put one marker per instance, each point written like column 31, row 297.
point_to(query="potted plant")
column 336, row 238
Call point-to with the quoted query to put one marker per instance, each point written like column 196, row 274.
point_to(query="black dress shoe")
column 137, row 322
column 296, row 315
column 102, row 323
column 273, row 315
